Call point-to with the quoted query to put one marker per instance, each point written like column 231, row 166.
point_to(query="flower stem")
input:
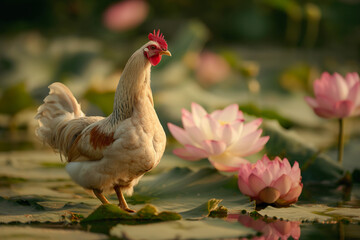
column 341, row 140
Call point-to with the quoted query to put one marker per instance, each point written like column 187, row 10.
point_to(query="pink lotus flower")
column 271, row 181
column 126, row 14
column 220, row 136
column 271, row 230
column 335, row 96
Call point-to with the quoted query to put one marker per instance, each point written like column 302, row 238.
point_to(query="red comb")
column 159, row 38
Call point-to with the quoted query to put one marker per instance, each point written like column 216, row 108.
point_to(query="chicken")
column 112, row 153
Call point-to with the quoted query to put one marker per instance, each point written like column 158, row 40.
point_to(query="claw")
column 122, row 202
column 126, row 209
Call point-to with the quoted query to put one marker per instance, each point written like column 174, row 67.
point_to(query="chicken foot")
column 122, row 202
column 100, row 196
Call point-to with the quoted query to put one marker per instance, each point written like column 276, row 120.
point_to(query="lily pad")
column 206, row 229
column 31, row 233
column 113, row 212
column 205, row 209
column 109, row 215
column 313, row 213
column 108, row 212
column 183, row 189
column 8, row 181
column 192, row 193
column 314, row 165
column 26, row 209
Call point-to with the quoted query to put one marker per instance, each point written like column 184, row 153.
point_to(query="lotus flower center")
column 223, row 122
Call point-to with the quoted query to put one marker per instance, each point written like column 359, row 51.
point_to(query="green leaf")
column 27, row 209
column 312, row 213
column 113, row 212
column 186, row 189
column 8, row 181
column 206, row 229
column 108, row 215
column 47, row 232
column 253, row 110
column 203, row 210
column 314, row 166
column 53, row 165
column 149, row 212
column 108, row 212
column 167, row 216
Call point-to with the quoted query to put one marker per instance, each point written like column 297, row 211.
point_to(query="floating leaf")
column 113, row 212
column 204, row 210
column 53, row 165
column 26, row 232
column 206, row 229
column 184, row 189
column 8, row 181
column 108, row 212
column 312, row 213
column 147, row 212
column 314, row 166
column 108, row 215
column 26, row 209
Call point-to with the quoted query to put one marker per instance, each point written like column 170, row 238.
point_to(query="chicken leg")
column 100, row 196
column 122, row 202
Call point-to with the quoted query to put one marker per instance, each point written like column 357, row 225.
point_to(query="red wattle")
column 154, row 60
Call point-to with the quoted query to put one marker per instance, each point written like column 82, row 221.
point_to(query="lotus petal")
column 179, row 134
column 190, row 153
column 283, row 184
column 269, row 195
column 335, row 96
column 221, row 136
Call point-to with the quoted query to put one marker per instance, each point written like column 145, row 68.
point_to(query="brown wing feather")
column 99, row 139
column 74, row 154
column 89, row 145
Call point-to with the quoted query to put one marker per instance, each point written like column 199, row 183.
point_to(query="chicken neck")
column 134, row 84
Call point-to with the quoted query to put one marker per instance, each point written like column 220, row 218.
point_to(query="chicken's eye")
column 152, row 47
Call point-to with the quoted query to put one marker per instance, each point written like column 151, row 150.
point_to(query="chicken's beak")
column 167, row 53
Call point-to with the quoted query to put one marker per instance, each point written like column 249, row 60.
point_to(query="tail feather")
column 59, row 107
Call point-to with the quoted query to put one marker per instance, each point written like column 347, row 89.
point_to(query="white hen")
column 116, row 151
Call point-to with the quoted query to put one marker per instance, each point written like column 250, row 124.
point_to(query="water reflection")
column 271, row 229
